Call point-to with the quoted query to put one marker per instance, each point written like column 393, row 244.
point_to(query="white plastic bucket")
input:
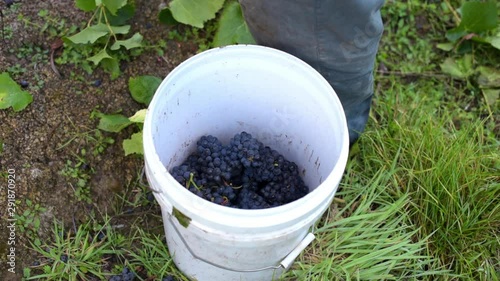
column 281, row 101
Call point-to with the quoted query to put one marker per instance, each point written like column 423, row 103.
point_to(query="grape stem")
column 191, row 182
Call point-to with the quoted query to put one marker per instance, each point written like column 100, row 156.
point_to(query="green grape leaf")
column 143, row 88
column 86, row 5
column 133, row 144
column 12, row 95
column 458, row 68
column 182, row 218
column 122, row 16
column 456, row 33
column 111, row 66
column 112, row 122
column 445, row 46
column 96, row 59
column 491, row 96
column 195, row 12
column 114, row 5
column 139, row 116
column 479, row 16
column 123, row 29
column 89, row 34
column 488, row 77
column 165, row 16
column 449, row 66
column 232, row 27
column 133, row 42
column 494, row 41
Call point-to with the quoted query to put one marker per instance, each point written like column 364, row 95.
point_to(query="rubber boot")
column 338, row 38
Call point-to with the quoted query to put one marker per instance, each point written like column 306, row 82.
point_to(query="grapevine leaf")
column 139, row 116
column 182, row 218
column 195, row 12
column 491, row 96
column 12, row 95
column 114, row 5
column 494, row 41
column 90, row 34
column 86, row 5
column 133, row 144
column 112, row 122
column 488, row 77
column 165, row 16
column 445, row 46
column 96, row 59
column 111, row 66
column 479, row 16
column 232, row 27
column 123, row 29
column 122, row 16
column 449, row 66
column 456, row 33
column 143, row 88
column 133, row 42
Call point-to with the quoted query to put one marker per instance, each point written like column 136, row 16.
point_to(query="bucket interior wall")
column 222, row 98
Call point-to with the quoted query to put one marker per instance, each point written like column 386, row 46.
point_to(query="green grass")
column 420, row 195
column 452, row 179
column 151, row 254
column 77, row 254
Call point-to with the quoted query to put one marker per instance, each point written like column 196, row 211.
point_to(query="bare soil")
column 54, row 128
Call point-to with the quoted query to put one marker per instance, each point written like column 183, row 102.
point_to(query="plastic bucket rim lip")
column 164, row 175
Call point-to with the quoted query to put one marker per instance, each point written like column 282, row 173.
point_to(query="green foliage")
column 232, row 28
column 78, row 175
column 407, row 44
column 151, row 253
column 78, row 254
column 142, row 89
column 478, row 22
column 30, row 56
column 365, row 237
column 450, row 175
column 112, row 122
column 103, row 35
column 133, row 144
column 49, row 25
column 191, row 12
column 11, row 94
column 29, row 221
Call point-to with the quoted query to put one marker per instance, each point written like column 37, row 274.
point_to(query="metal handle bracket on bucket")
column 285, row 263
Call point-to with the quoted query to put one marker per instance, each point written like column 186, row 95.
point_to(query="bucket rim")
column 222, row 215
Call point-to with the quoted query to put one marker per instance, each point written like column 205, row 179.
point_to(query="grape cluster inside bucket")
column 243, row 174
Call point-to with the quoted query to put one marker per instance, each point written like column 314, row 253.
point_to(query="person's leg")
column 338, row 38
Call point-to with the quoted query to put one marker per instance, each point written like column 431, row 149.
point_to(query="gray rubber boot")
column 338, row 38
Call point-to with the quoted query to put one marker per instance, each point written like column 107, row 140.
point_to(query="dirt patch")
column 56, row 127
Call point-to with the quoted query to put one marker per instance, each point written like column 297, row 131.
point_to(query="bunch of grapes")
column 244, row 174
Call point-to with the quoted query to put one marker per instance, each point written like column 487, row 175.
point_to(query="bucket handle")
column 285, row 263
